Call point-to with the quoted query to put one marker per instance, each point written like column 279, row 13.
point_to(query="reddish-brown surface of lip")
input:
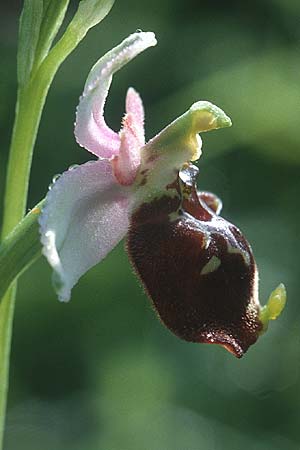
column 198, row 270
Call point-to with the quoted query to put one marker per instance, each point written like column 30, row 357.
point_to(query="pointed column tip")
column 207, row 116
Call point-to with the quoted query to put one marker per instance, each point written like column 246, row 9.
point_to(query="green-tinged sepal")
column 274, row 306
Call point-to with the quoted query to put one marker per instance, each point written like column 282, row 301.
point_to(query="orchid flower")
column 197, row 268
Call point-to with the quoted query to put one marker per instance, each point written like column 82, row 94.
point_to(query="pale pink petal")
column 91, row 130
column 126, row 164
column 134, row 107
column 85, row 216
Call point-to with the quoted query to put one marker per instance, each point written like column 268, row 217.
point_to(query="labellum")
column 197, row 268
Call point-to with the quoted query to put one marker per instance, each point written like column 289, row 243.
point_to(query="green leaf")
column 29, row 30
column 20, row 248
column 53, row 15
column 91, row 12
column 88, row 14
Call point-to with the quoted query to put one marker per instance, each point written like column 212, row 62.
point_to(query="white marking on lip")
column 237, row 251
column 212, row 265
column 206, row 241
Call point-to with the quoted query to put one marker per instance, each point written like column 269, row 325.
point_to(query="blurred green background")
column 101, row 373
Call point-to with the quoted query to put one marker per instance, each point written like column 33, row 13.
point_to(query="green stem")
column 30, row 103
column 6, row 319
column 31, row 99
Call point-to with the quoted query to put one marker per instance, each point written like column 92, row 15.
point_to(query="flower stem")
column 6, row 319
column 28, row 112
column 30, row 102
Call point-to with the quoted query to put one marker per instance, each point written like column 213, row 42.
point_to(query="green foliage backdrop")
column 101, row 372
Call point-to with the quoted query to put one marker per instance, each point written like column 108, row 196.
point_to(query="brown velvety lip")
column 197, row 268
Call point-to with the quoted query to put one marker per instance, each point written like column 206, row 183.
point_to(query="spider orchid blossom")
column 197, row 268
